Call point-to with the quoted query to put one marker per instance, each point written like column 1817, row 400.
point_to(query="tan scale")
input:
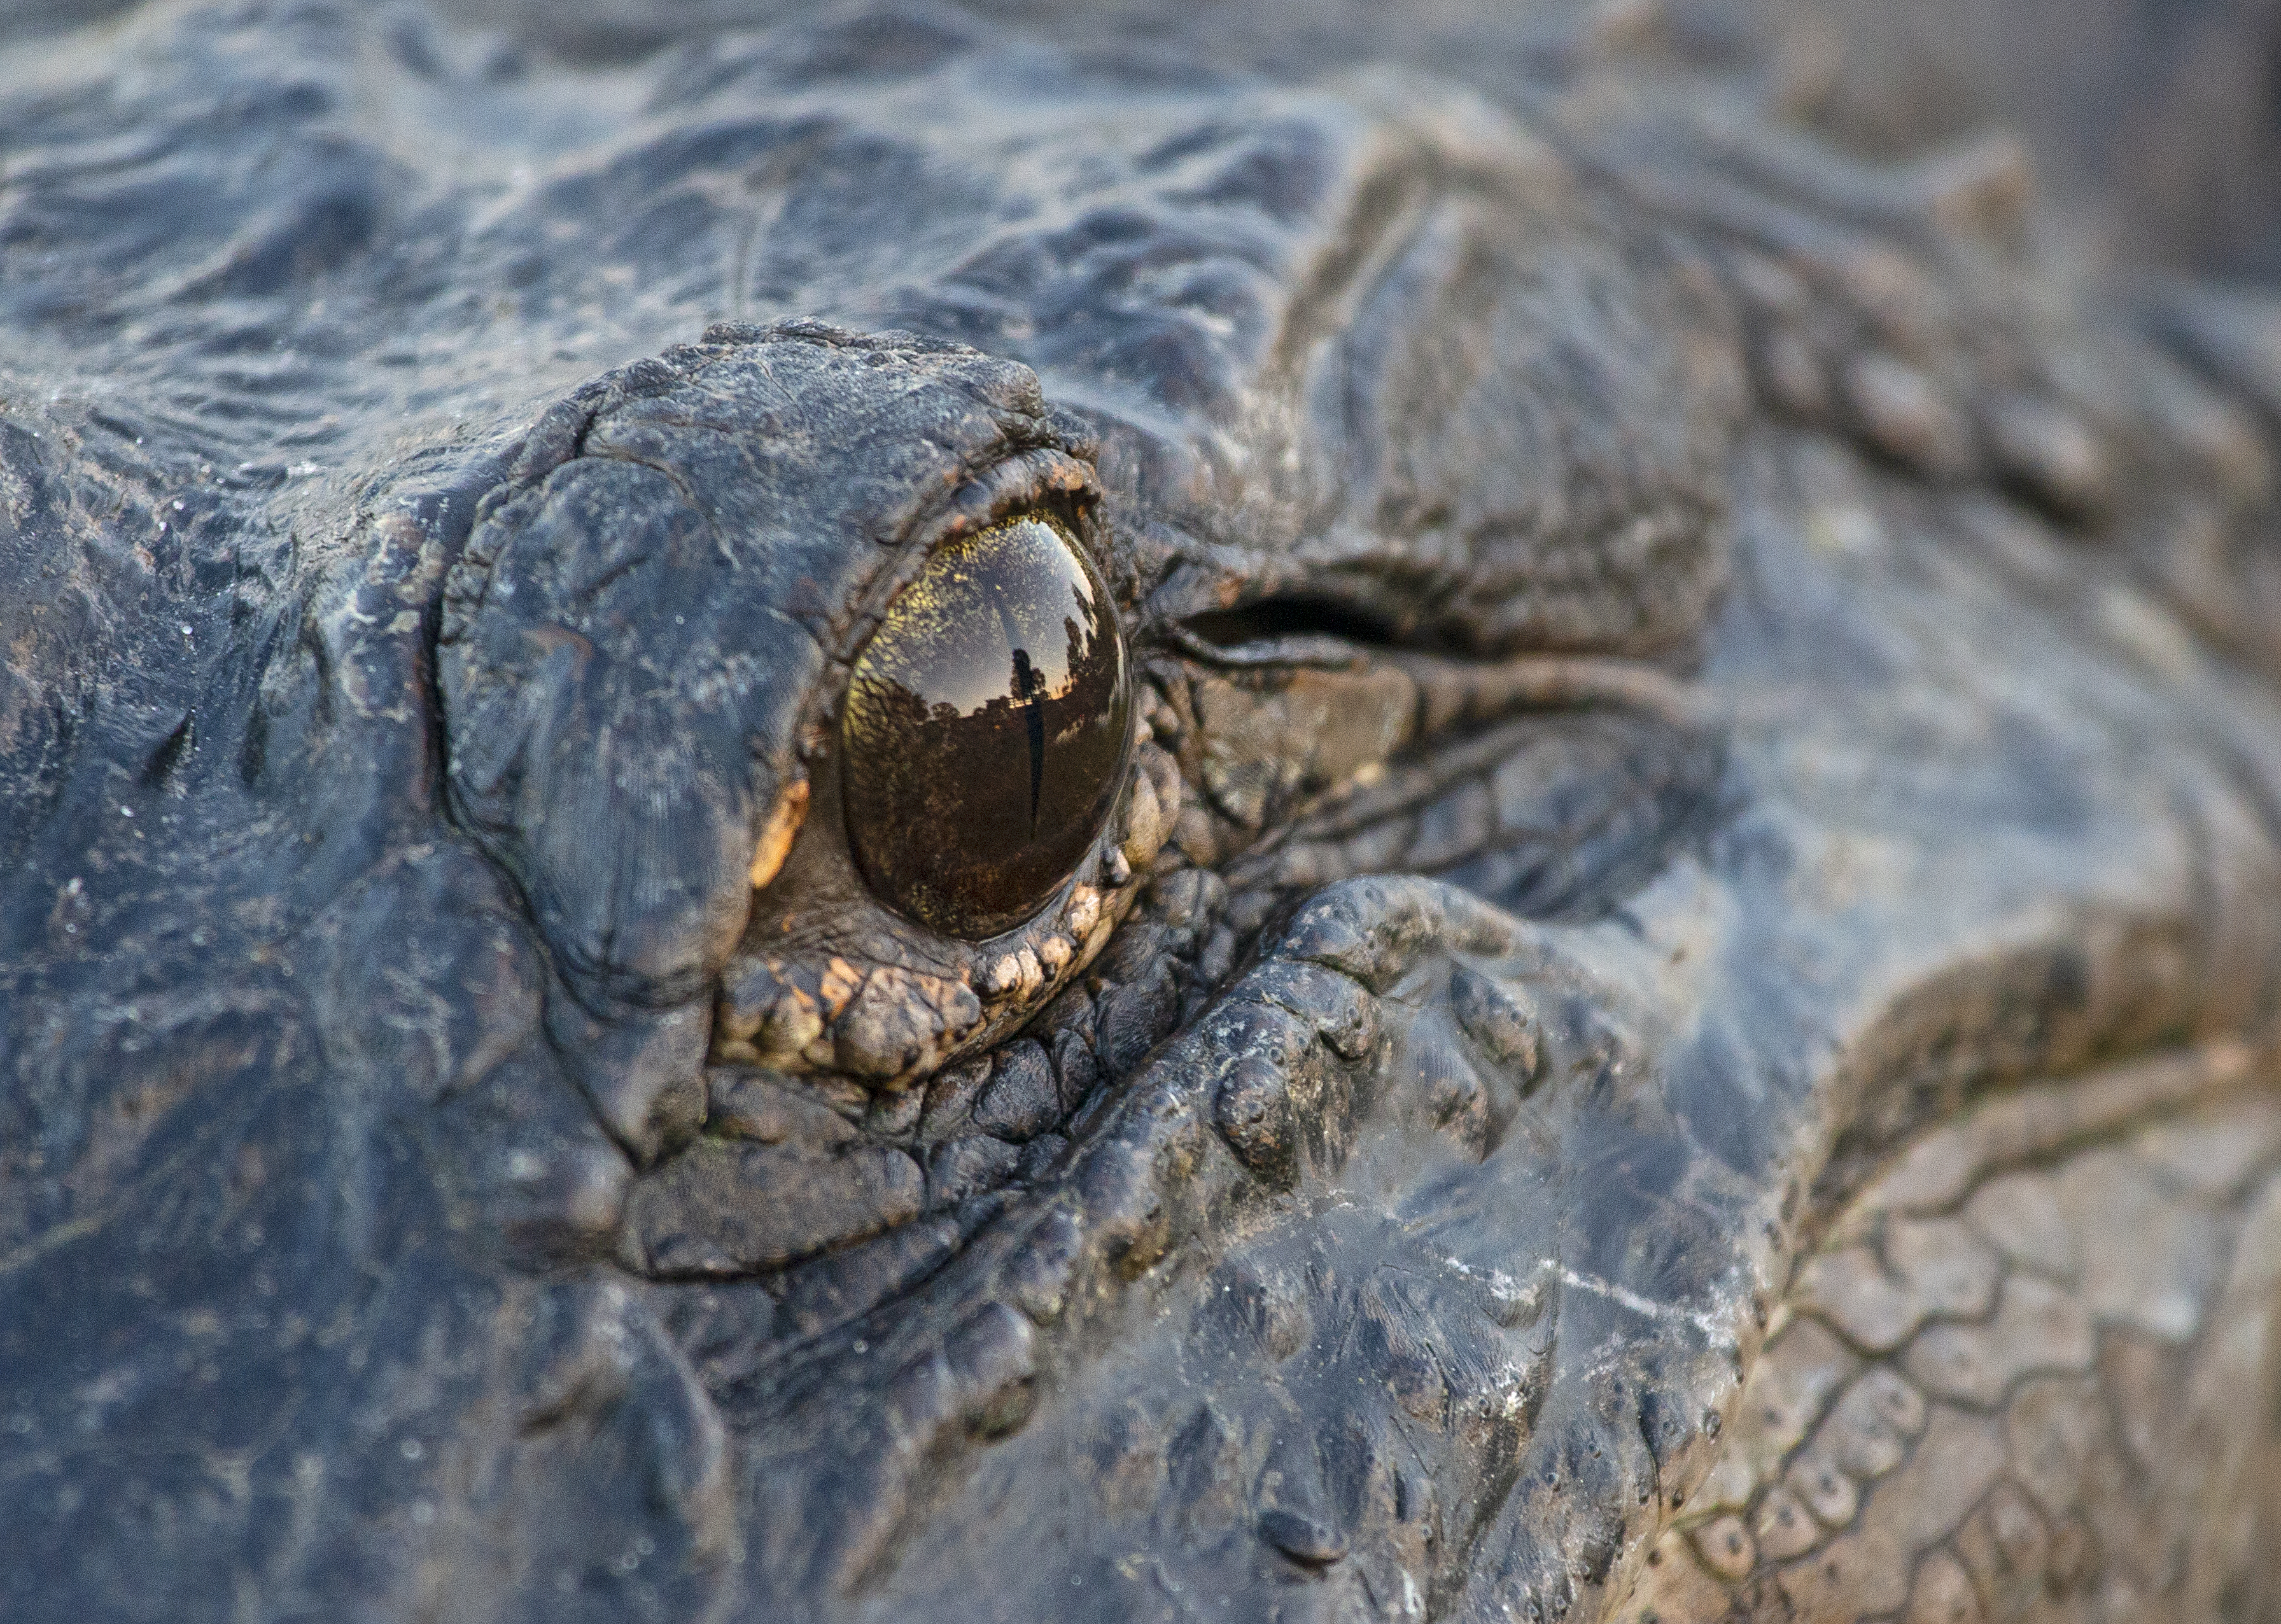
column 2030, row 1373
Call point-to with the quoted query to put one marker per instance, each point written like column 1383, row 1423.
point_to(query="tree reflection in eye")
column 985, row 729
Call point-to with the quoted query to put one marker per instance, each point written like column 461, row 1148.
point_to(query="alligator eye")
column 985, row 729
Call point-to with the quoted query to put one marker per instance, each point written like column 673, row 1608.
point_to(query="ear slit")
column 1282, row 619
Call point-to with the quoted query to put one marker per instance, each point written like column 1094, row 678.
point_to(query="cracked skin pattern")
column 1987, row 1399
column 1674, row 1017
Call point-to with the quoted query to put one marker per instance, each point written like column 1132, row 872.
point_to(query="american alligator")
column 1261, row 812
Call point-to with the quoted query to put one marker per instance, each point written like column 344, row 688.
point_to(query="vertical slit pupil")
column 1029, row 688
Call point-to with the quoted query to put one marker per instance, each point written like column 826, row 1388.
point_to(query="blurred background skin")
column 2159, row 121
column 2155, row 125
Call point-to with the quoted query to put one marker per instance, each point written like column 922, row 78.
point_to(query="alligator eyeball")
column 985, row 730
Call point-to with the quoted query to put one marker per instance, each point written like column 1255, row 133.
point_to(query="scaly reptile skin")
column 1675, row 1015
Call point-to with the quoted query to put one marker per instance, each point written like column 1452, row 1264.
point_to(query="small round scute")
column 1252, row 1110
column 973, row 1165
column 1301, row 1538
column 1495, row 1022
column 993, row 1357
column 1020, row 1100
column 986, row 730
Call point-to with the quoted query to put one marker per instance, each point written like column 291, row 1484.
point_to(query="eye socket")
column 985, row 727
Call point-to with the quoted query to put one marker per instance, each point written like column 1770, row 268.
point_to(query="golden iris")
column 985, row 730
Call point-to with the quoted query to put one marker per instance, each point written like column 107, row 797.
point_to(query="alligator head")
column 1173, row 889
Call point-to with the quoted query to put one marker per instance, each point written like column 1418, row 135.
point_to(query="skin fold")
column 1672, row 1013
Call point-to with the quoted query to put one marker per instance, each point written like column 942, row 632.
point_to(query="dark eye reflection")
column 984, row 732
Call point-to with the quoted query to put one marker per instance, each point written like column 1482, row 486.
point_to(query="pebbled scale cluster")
column 793, row 1168
column 1283, row 1073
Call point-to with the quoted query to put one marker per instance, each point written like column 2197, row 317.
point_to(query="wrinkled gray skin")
column 1682, row 649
